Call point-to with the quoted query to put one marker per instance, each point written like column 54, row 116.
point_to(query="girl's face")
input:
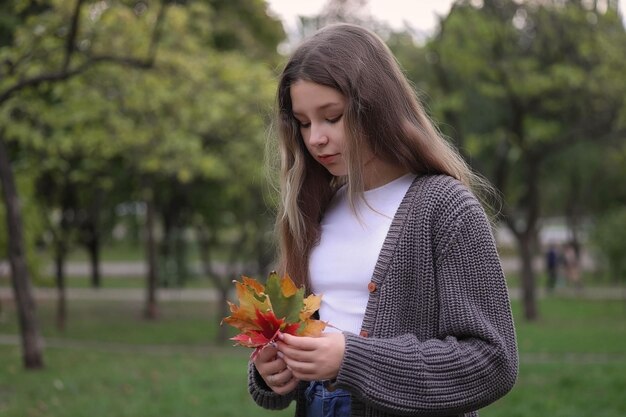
column 319, row 111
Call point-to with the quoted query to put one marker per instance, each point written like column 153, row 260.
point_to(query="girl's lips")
column 327, row 159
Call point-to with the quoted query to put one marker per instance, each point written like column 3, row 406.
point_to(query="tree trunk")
column 29, row 327
column 91, row 237
column 574, row 210
column 93, row 247
column 151, row 310
column 207, row 241
column 525, row 245
column 165, row 251
column 527, row 236
column 59, row 260
column 68, row 217
column 222, row 311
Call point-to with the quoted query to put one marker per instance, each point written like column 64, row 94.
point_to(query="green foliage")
column 517, row 82
column 243, row 25
column 609, row 237
column 13, row 13
column 187, row 133
column 533, row 94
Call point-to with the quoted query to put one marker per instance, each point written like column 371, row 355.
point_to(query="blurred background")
column 134, row 188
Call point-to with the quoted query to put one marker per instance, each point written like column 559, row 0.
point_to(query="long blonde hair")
column 382, row 114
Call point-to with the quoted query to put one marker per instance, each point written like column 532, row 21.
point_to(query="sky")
column 419, row 14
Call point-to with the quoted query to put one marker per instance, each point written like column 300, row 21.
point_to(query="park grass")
column 111, row 252
column 85, row 282
column 126, row 384
column 573, row 325
column 572, row 361
column 179, row 323
column 566, row 389
column 589, row 279
column 109, row 362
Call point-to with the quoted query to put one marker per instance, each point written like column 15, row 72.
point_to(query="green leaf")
column 287, row 307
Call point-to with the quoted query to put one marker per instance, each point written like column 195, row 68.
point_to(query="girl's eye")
column 334, row 120
column 303, row 125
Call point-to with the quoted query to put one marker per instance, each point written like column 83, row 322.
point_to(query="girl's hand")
column 274, row 371
column 312, row 358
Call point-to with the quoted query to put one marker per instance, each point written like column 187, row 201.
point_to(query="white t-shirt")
column 342, row 264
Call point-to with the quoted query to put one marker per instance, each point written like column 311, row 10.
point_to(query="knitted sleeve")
column 263, row 395
column 472, row 359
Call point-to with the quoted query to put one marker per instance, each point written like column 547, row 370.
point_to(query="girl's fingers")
column 266, row 355
column 301, row 368
column 299, row 348
column 281, row 381
column 313, row 358
column 288, row 351
column 282, row 378
column 268, row 363
column 299, row 342
column 287, row 388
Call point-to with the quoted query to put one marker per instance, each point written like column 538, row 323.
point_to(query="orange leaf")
column 287, row 286
column 249, row 299
column 240, row 319
column 312, row 328
column 254, row 284
column 311, row 305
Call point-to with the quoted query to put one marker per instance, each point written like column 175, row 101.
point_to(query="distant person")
column 552, row 267
column 571, row 265
column 378, row 216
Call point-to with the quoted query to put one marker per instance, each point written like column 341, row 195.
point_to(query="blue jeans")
column 322, row 402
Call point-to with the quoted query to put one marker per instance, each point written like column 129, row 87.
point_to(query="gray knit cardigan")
column 438, row 337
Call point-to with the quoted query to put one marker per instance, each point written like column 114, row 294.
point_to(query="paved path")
column 211, row 295
column 139, row 269
column 120, row 294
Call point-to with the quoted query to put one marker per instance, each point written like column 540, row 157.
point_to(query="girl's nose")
column 318, row 137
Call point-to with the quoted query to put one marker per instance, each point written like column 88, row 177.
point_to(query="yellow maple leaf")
column 311, row 327
column 287, row 286
column 311, row 305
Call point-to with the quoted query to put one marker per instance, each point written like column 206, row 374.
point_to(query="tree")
column 230, row 211
column 520, row 83
column 608, row 202
column 608, row 236
column 42, row 58
column 244, row 25
column 158, row 120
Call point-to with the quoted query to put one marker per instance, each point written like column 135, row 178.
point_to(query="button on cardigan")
column 437, row 338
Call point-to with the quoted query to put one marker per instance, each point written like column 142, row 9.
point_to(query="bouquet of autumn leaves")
column 264, row 311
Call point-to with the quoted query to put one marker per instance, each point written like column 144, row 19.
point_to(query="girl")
column 377, row 216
